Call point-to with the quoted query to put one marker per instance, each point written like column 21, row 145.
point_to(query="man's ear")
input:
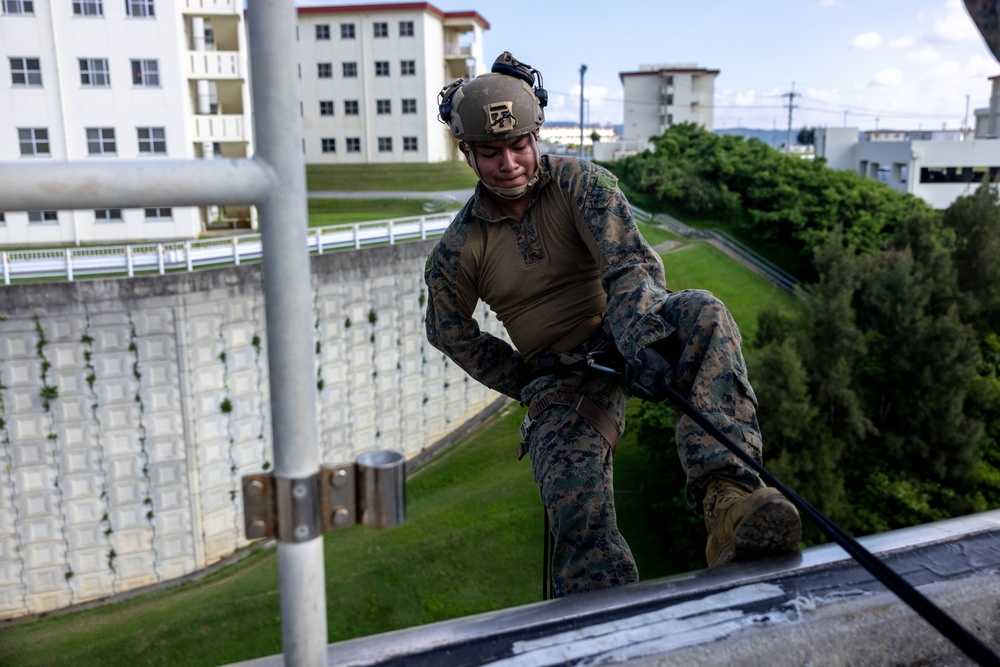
column 464, row 147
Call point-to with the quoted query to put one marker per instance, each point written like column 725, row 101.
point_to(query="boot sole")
column 770, row 528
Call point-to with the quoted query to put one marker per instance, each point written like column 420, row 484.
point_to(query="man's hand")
column 649, row 377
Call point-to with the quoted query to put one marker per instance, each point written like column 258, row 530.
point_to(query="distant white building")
column 658, row 96
column 936, row 165
column 371, row 75
column 557, row 138
column 103, row 80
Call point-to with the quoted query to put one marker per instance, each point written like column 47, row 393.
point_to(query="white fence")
column 71, row 263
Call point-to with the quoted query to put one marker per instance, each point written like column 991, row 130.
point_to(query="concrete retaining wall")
column 130, row 409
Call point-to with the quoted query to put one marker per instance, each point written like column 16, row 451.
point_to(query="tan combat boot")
column 744, row 525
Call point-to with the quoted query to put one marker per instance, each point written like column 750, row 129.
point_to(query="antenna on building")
column 791, row 98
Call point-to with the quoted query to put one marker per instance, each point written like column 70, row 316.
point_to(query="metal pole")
column 583, row 70
column 287, row 299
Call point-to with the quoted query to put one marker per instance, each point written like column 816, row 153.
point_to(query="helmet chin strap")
column 506, row 193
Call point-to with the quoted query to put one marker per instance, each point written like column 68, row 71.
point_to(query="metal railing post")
column 69, row 265
column 288, row 309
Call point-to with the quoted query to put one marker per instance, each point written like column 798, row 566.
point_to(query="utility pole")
column 965, row 121
column 583, row 70
column 791, row 99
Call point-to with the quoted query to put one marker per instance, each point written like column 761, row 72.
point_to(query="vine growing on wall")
column 261, row 417
column 48, row 394
column 12, row 482
column 226, row 408
column 106, row 527
column 144, row 458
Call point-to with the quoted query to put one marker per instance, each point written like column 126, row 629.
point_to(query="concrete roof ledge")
column 817, row 607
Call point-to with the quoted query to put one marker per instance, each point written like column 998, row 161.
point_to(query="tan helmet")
column 505, row 103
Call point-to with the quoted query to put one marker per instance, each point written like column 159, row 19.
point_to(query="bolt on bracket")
column 370, row 491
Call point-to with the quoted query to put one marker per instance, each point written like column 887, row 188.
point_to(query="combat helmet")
column 507, row 102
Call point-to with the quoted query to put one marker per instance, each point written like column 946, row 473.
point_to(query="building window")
column 140, row 8
column 329, row 145
column 347, row 31
column 381, row 29
column 409, row 106
column 323, row 31
column 160, row 213
column 383, row 107
column 353, row 145
column 3, row 221
column 94, row 72
column 324, row 70
column 350, row 70
column 101, row 141
column 326, row 107
column 18, row 7
column 409, row 144
column 350, row 107
column 146, row 73
column 407, row 67
column 381, row 68
column 406, row 28
column 33, row 140
column 43, row 217
column 26, row 71
column 88, row 8
column 152, row 140
column 385, row 144
column 108, row 215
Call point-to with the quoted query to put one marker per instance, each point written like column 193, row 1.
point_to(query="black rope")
column 945, row 624
column 546, row 558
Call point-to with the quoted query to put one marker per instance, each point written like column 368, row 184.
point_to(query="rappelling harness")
column 597, row 356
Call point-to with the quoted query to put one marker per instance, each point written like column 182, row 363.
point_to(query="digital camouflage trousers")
column 572, row 463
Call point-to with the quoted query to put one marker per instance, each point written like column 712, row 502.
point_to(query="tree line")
column 880, row 394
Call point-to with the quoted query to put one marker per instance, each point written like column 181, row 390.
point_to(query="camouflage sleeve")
column 631, row 271
column 452, row 329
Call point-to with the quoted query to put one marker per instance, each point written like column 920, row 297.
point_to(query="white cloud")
column 955, row 25
column 924, row 56
column 746, row 98
column 828, row 3
column 867, row 40
column 903, row 42
column 982, row 67
column 948, row 70
column 890, row 76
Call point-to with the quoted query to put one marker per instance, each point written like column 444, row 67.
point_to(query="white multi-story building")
column 113, row 79
column 658, row 96
column 371, row 76
column 936, row 165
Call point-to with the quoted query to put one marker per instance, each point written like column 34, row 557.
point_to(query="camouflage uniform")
column 578, row 254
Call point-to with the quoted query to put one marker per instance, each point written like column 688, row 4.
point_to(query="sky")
column 871, row 64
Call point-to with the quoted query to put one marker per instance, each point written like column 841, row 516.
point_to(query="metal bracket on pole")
column 370, row 491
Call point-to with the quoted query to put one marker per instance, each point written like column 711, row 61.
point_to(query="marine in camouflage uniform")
column 572, row 270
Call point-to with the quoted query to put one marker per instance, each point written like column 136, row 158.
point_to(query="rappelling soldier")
column 550, row 245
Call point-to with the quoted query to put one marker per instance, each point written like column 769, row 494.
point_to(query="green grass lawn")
column 325, row 212
column 433, row 177
column 472, row 542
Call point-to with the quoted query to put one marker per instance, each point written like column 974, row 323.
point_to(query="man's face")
column 505, row 163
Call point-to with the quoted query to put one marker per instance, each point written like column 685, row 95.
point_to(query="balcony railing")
column 217, row 128
column 213, row 65
column 211, row 6
column 71, row 263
